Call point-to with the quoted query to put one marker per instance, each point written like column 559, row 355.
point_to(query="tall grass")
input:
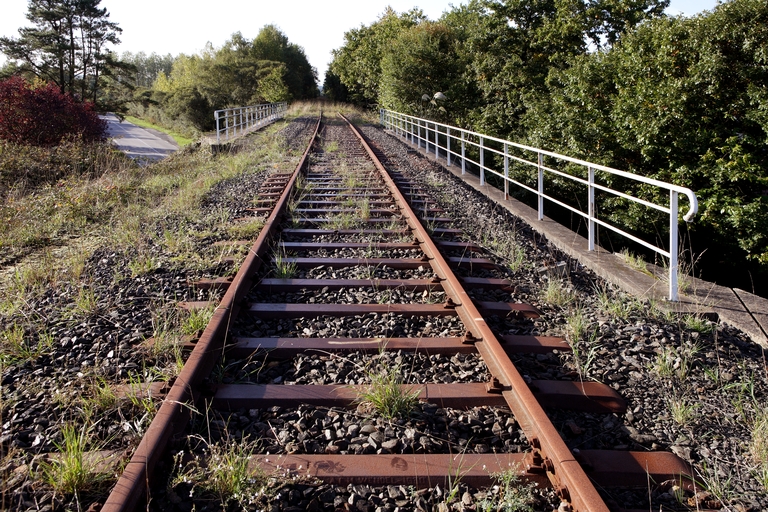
column 94, row 192
column 26, row 168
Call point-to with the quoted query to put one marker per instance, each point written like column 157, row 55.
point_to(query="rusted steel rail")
column 133, row 484
column 574, row 476
column 550, row 452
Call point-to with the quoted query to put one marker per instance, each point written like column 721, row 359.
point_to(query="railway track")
column 356, row 259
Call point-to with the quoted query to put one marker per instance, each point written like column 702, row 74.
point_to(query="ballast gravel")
column 654, row 362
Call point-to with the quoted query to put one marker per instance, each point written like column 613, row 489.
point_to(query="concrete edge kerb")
column 738, row 308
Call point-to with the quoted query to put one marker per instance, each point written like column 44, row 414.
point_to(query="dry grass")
column 315, row 107
column 106, row 197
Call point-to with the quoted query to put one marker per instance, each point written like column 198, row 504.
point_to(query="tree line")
column 70, row 45
column 241, row 72
column 616, row 82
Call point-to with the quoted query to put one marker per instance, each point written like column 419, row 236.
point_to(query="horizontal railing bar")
column 240, row 119
column 633, row 198
column 409, row 127
column 651, row 181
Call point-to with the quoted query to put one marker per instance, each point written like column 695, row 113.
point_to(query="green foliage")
column 146, row 68
column 358, row 62
column 266, row 70
column 333, row 88
column 421, row 61
column 615, row 82
column 676, row 100
column 299, row 76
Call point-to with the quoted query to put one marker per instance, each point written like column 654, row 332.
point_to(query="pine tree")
column 67, row 45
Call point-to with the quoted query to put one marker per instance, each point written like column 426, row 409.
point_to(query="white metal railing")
column 426, row 133
column 231, row 122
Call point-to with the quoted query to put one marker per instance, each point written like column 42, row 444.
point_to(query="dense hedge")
column 42, row 115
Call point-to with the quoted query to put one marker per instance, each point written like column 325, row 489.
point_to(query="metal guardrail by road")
column 426, row 133
column 236, row 121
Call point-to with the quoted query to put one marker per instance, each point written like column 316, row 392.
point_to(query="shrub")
column 42, row 115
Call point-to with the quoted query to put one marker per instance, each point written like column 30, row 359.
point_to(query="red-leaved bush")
column 43, row 116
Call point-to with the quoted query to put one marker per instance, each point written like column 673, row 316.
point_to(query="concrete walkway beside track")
column 137, row 142
column 736, row 307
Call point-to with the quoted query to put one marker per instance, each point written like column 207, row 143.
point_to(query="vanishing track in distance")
column 345, row 265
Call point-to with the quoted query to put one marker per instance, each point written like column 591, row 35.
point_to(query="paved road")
column 137, row 142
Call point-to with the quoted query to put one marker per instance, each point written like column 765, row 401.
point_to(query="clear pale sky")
column 175, row 26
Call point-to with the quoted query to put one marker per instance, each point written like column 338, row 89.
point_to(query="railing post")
column 591, row 209
column 463, row 154
column 218, row 132
column 426, row 136
column 506, row 171
column 448, row 147
column 418, row 139
column 482, row 163
column 437, row 142
column 541, row 186
column 226, row 122
column 673, row 263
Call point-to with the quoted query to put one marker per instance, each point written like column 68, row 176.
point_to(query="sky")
column 317, row 26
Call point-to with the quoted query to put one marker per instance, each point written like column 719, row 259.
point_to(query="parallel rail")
column 549, row 460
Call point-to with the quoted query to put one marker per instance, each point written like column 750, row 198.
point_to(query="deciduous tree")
column 358, row 62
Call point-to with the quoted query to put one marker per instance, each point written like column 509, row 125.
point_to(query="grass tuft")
column 583, row 341
column 681, row 410
column 224, row 473
column 246, row 229
column 622, row 306
column 697, row 323
column 558, row 293
column 142, row 264
column 508, row 494
column 758, row 447
column 85, row 304
column 386, row 393
column 285, row 269
column 74, row 472
column 197, row 320
column 635, row 262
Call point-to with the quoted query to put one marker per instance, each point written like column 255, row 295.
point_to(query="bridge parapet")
column 234, row 122
column 453, row 145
